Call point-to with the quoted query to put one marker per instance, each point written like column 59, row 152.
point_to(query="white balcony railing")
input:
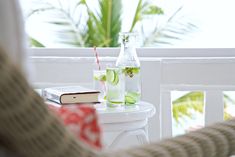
column 197, row 70
column 211, row 75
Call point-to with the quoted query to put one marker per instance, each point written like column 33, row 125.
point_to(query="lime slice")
column 112, row 77
column 116, row 78
column 96, row 78
column 100, row 77
column 131, row 98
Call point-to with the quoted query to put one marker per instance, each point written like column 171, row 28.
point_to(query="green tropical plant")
column 104, row 24
column 103, row 28
column 142, row 9
column 177, row 27
column 35, row 43
column 65, row 26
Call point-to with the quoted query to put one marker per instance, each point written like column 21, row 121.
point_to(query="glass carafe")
column 129, row 62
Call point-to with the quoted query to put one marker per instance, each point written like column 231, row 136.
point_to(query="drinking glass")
column 99, row 82
column 115, row 83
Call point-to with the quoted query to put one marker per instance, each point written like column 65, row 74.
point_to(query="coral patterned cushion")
column 82, row 120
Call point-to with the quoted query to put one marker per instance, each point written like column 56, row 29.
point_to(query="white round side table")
column 128, row 121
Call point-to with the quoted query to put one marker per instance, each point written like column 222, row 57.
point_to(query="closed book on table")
column 71, row 95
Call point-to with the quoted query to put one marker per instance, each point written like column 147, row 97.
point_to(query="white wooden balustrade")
column 211, row 75
column 162, row 71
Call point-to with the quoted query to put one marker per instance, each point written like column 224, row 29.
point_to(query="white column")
column 166, row 114
column 214, row 107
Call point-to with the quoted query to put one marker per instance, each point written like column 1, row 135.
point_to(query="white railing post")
column 214, row 107
column 166, row 114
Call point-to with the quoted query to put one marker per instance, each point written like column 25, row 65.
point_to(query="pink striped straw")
column 97, row 58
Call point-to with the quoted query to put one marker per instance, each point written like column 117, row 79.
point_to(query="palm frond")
column 116, row 22
column 38, row 10
column 227, row 116
column 35, row 43
column 149, row 9
column 144, row 9
column 137, row 16
column 229, row 99
column 63, row 28
column 176, row 28
column 95, row 31
column 104, row 28
column 183, row 106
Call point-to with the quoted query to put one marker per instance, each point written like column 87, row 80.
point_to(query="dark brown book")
column 71, row 95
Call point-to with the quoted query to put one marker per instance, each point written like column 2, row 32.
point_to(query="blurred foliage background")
column 84, row 24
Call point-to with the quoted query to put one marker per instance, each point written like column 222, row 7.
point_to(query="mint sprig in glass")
column 132, row 80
